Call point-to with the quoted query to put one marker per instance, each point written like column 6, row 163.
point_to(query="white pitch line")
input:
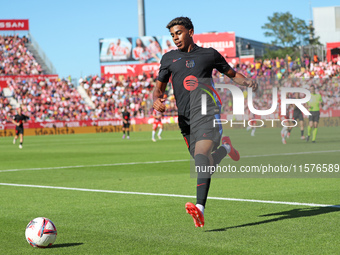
column 81, row 166
column 158, row 162
column 169, row 195
column 291, row 153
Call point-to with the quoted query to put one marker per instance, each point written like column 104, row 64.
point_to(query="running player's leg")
column 123, row 129
column 315, row 131
column 15, row 137
column 289, row 130
column 154, row 128
column 310, row 126
column 284, row 132
column 315, row 125
column 302, row 128
column 203, row 159
column 253, row 131
column 160, row 131
column 21, row 136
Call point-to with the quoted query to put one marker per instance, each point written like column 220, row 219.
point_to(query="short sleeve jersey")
column 191, row 73
column 126, row 116
column 314, row 102
column 20, row 118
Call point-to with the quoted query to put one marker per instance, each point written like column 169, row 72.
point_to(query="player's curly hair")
column 183, row 21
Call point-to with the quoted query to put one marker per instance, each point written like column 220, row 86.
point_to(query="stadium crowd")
column 49, row 100
column 109, row 95
column 325, row 76
column 15, row 58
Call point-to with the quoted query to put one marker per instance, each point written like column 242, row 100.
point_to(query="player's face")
column 312, row 90
column 182, row 37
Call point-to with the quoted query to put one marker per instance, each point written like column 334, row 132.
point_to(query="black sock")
column 203, row 179
column 128, row 132
column 301, row 132
column 124, row 132
column 20, row 143
column 218, row 155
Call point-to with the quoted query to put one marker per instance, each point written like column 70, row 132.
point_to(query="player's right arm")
column 158, row 100
column 222, row 66
column 163, row 78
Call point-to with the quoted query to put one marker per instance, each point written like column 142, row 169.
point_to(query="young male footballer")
column 190, row 67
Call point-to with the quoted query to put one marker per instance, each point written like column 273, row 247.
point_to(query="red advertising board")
column 14, row 24
column 129, row 70
column 224, row 42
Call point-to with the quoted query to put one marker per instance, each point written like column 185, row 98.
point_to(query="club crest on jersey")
column 190, row 63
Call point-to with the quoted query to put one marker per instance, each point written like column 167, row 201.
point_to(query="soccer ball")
column 41, row 232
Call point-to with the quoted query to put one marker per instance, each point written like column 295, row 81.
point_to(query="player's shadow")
column 62, row 245
column 291, row 214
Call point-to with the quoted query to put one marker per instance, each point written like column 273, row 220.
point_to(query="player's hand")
column 158, row 104
column 250, row 83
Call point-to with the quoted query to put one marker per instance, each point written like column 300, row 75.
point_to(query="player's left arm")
column 241, row 79
column 15, row 122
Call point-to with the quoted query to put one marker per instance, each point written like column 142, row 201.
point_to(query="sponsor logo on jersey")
column 190, row 83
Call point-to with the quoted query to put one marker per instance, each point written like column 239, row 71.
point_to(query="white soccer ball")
column 41, row 232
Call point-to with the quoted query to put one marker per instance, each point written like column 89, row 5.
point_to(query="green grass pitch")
column 96, row 221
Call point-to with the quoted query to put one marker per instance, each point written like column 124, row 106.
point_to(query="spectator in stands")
column 15, row 59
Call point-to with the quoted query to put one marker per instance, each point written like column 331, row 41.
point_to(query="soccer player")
column 126, row 122
column 314, row 107
column 252, row 124
column 19, row 120
column 157, row 122
column 298, row 116
column 191, row 69
column 285, row 130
